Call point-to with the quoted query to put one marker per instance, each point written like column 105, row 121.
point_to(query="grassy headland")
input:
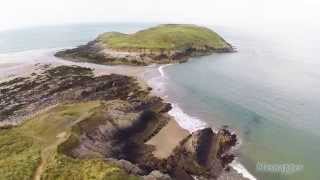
column 165, row 37
column 166, row 43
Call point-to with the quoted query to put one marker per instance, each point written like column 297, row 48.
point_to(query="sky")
column 235, row 13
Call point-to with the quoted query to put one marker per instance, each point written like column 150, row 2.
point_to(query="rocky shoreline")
column 96, row 52
column 163, row 44
column 124, row 117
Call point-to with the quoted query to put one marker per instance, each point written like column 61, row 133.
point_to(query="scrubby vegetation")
column 165, row 37
column 30, row 150
column 19, row 155
column 64, row 167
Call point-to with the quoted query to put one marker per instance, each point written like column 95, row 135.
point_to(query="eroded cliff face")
column 117, row 129
column 97, row 52
column 201, row 155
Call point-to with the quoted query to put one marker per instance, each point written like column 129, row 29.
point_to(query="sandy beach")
column 170, row 135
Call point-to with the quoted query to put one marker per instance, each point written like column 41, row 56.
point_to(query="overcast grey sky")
column 237, row 13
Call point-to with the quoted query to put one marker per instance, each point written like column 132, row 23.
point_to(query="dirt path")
column 49, row 151
column 46, row 154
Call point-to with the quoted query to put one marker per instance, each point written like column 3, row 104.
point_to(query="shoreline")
column 177, row 113
column 182, row 119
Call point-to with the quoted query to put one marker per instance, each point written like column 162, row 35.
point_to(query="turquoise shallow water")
column 268, row 91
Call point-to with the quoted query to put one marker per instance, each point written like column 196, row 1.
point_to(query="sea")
column 267, row 92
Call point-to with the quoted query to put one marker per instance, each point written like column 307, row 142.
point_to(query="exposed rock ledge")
column 122, row 118
column 161, row 44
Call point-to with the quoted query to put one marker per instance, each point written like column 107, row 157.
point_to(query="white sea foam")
column 193, row 124
column 186, row 121
column 242, row 170
column 161, row 69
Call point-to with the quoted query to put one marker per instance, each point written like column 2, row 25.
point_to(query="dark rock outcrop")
column 118, row 129
column 24, row 96
column 126, row 165
column 95, row 52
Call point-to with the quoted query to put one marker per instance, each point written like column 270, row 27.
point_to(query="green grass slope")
column 165, row 37
column 30, row 151
column 19, row 155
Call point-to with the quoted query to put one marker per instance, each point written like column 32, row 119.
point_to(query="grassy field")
column 30, row 150
column 165, row 37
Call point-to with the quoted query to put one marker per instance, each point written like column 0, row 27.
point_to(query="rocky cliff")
column 65, row 122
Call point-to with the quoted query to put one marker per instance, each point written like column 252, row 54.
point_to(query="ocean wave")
column 186, row 121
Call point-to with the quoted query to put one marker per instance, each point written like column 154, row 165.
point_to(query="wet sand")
column 167, row 139
column 25, row 63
